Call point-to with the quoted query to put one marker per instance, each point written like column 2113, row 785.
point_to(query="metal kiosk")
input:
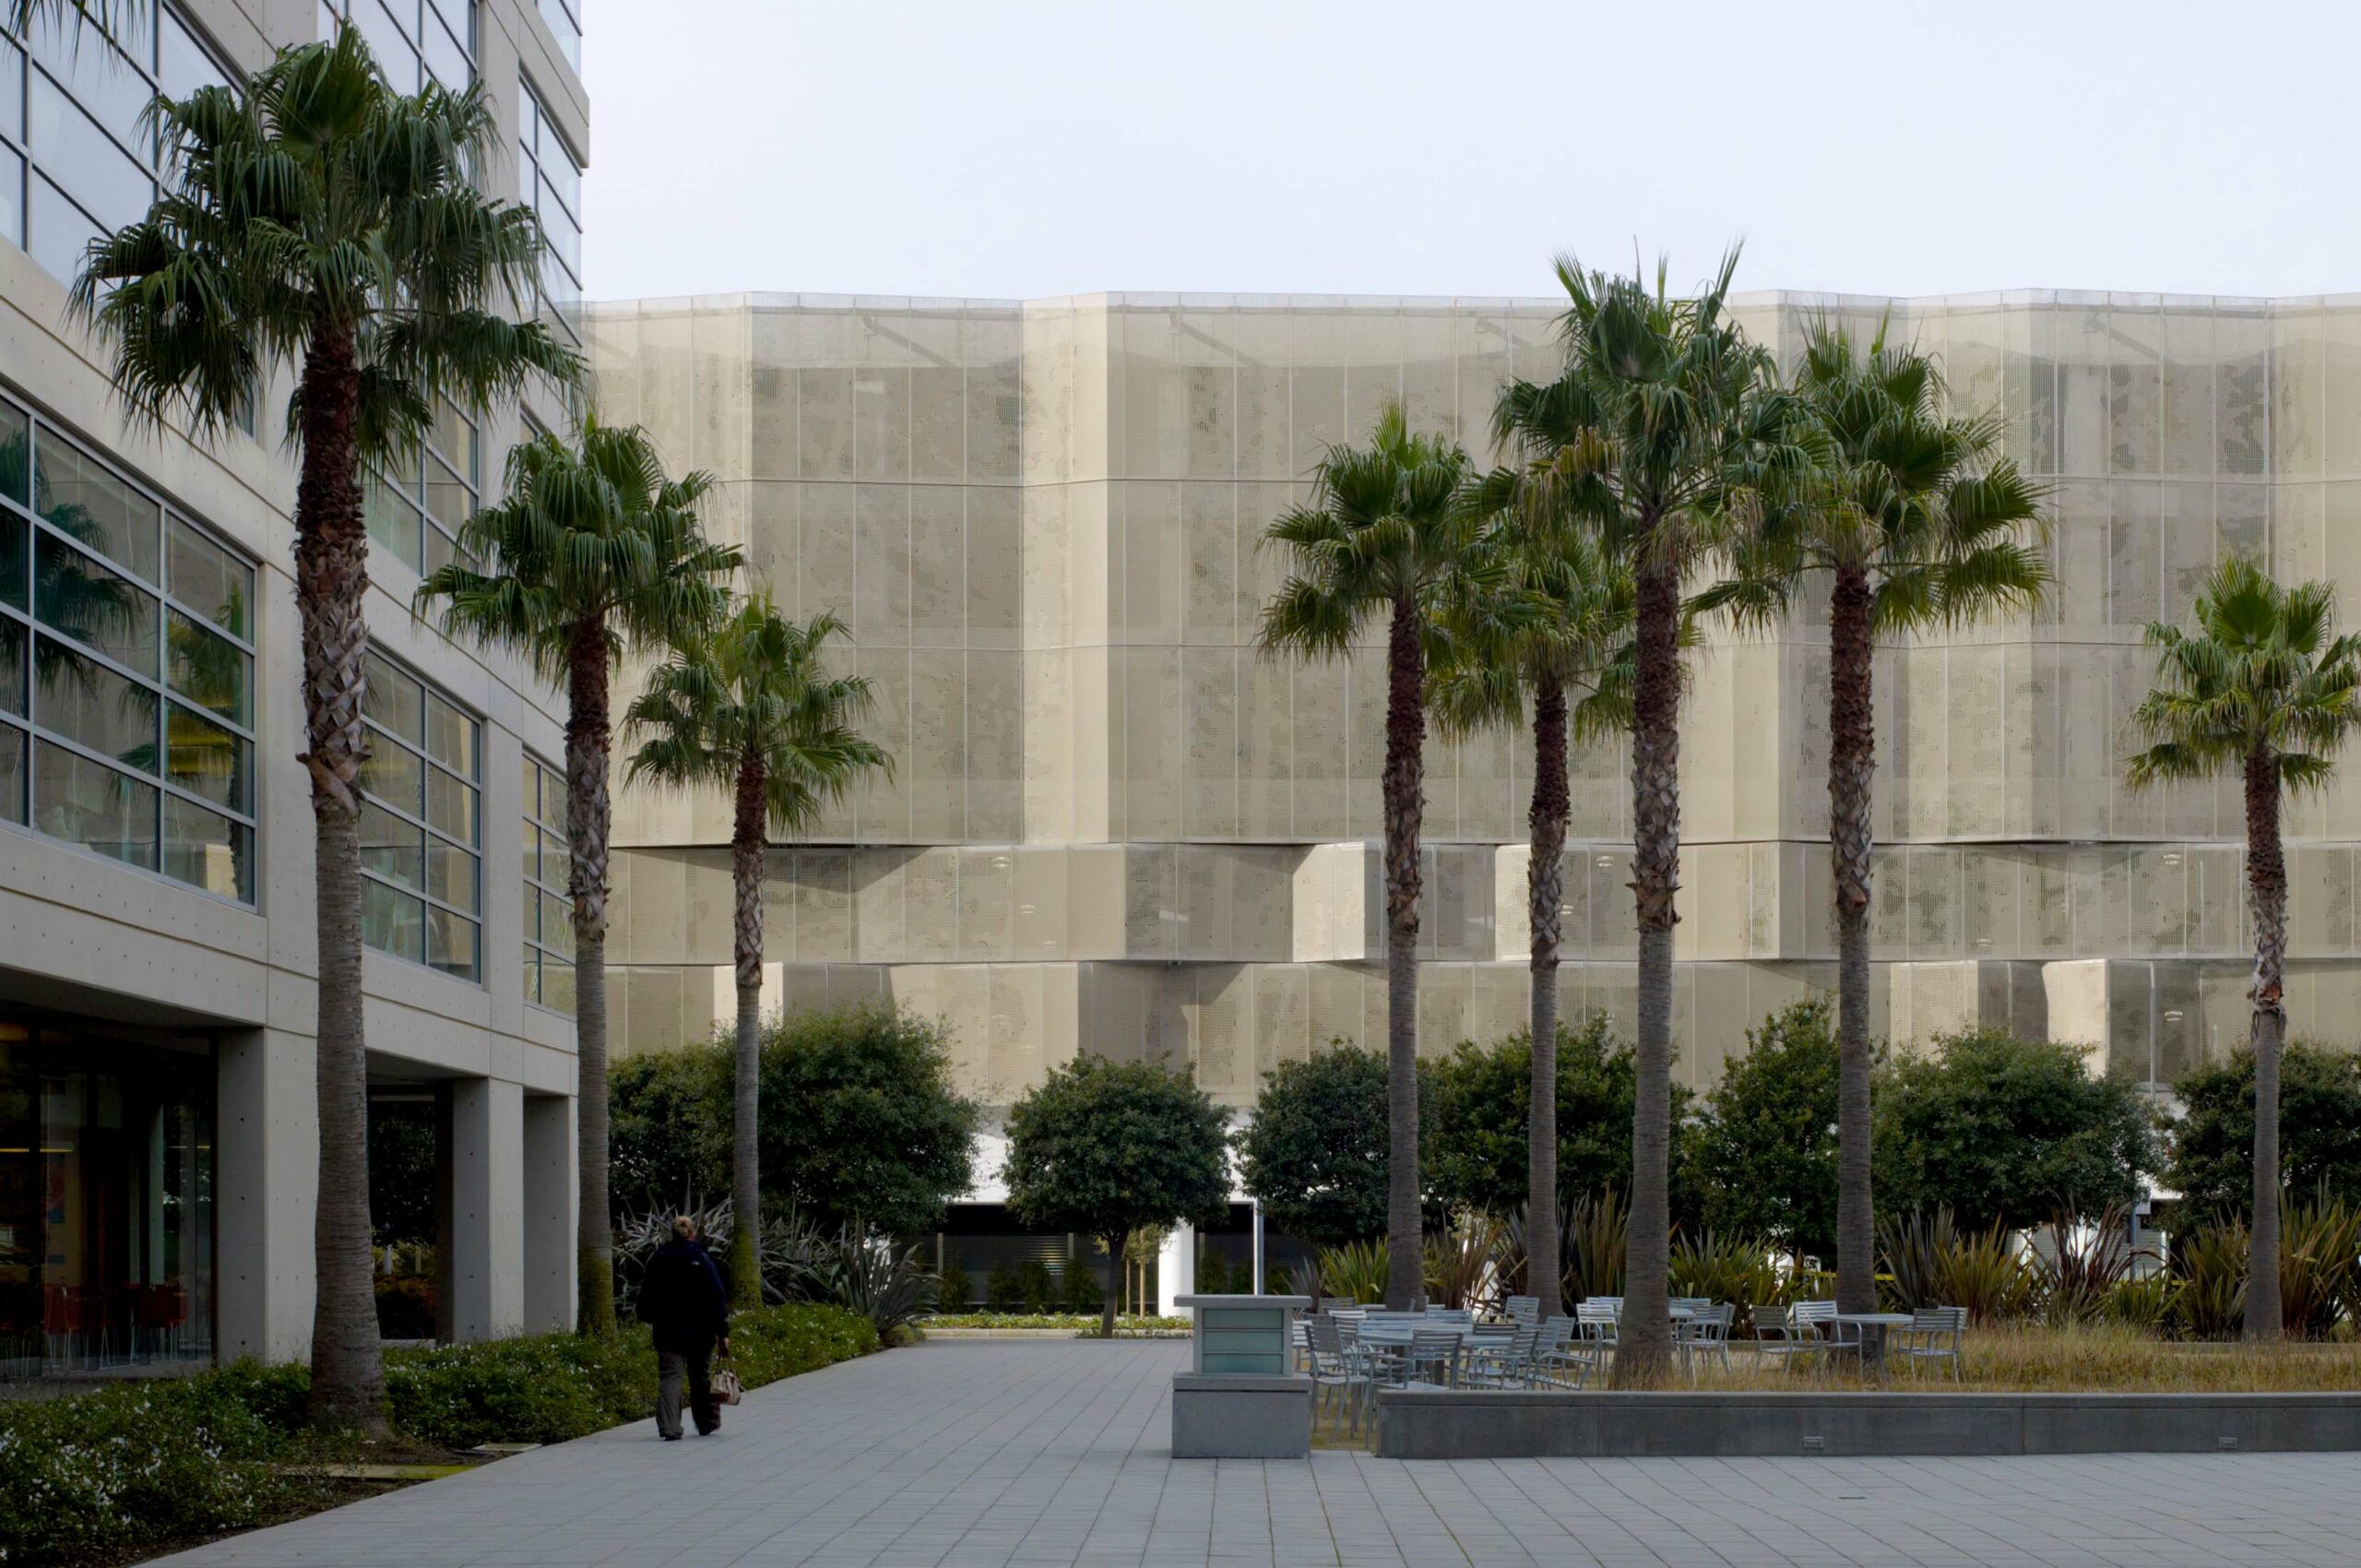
column 1243, row 1399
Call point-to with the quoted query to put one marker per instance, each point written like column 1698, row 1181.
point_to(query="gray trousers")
column 696, row 1366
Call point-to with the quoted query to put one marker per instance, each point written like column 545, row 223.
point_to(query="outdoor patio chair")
column 1934, row 1336
column 1705, row 1333
column 1560, row 1360
column 1784, row 1337
column 1337, row 1369
column 1464, row 1316
column 1522, row 1308
column 1598, row 1321
column 1504, row 1362
column 1434, row 1356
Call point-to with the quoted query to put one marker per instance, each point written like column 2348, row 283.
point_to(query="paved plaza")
column 975, row 1453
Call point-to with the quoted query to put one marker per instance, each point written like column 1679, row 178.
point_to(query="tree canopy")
column 1763, row 1158
column 2017, row 1130
column 1314, row 1153
column 860, row 1121
column 1483, row 1094
column 1104, row 1149
column 2211, row 1162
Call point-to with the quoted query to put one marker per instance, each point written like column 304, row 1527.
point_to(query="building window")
column 416, row 505
column 566, row 26
column 549, row 913
column 107, row 1178
column 549, row 180
column 127, row 668
column 422, row 824
column 412, row 40
column 75, row 162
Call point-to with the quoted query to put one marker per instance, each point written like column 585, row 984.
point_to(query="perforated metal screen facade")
column 1116, row 826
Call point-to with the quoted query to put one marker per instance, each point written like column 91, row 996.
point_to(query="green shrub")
column 1004, row 1291
column 107, row 1474
column 956, row 1293
column 1354, row 1272
column 1035, row 1287
column 125, row 1469
column 1737, row 1269
column 1213, row 1273
column 1083, row 1293
column 551, row 1387
column 2211, row 1266
column 2145, row 1303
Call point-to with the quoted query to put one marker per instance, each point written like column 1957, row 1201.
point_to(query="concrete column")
column 1176, row 1269
column 267, row 1155
column 550, row 1178
column 487, row 1162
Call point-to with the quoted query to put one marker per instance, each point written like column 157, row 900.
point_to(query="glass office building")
column 158, row 1138
column 1115, row 825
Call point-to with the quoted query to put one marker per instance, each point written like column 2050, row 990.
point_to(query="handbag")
column 726, row 1390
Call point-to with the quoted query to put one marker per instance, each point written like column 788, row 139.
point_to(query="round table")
column 1873, row 1351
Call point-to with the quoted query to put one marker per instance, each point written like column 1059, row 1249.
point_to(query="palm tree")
column 1918, row 522
column 2264, row 687
column 314, row 218
column 1384, row 533
column 596, row 551
column 748, row 708
column 1664, row 435
column 1559, row 624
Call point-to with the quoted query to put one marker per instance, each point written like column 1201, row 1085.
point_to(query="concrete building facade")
column 158, row 1134
column 1116, row 826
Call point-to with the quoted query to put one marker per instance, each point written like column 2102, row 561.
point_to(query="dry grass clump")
column 2080, row 1359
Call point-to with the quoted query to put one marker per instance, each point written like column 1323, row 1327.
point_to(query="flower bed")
column 107, row 1476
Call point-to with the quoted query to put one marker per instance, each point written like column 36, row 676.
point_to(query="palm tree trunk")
column 1402, row 786
column 1117, row 1281
column 1852, row 764
column 2267, row 882
column 332, row 580
column 1646, row 1341
column 586, row 819
column 746, row 1176
column 1545, row 893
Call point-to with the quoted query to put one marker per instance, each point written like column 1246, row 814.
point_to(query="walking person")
column 684, row 1301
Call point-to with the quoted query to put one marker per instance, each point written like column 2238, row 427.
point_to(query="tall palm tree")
column 595, row 551
column 748, row 707
column 1385, row 534
column 1917, row 521
column 314, row 218
column 2261, row 687
column 1557, row 626
column 1666, row 435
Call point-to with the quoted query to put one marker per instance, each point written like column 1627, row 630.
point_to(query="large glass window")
column 564, row 17
column 417, row 505
column 549, row 180
column 127, row 668
column 549, row 913
column 106, row 1200
column 422, row 824
column 412, row 40
column 74, row 160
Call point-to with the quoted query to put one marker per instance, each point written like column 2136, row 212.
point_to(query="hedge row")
column 99, row 1476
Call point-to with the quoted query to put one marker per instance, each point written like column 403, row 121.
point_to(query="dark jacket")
column 682, row 1299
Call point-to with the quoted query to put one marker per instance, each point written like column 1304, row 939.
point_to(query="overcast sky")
column 1008, row 149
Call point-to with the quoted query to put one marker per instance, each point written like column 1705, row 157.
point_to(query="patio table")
column 1873, row 1345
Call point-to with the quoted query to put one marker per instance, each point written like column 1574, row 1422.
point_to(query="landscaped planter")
column 1485, row 1424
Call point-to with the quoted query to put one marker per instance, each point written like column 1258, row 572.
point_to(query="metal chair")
column 1706, row 1333
column 1337, row 1369
column 1783, row 1337
column 1434, row 1356
column 1562, row 1359
column 1504, row 1363
column 1934, row 1335
column 1522, row 1308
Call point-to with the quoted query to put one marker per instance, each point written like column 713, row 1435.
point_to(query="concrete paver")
column 1056, row 1454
